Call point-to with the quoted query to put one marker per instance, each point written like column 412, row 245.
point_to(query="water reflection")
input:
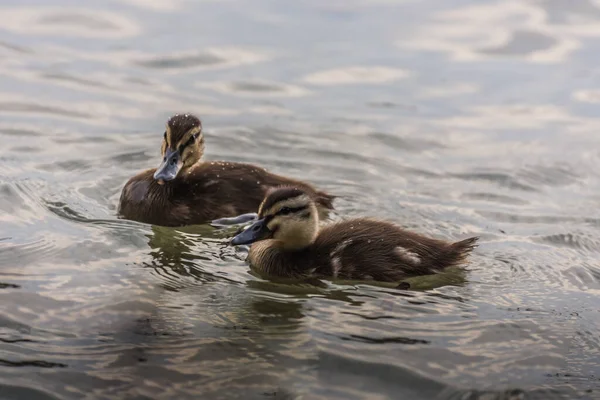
column 178, row 254
column 449, row 118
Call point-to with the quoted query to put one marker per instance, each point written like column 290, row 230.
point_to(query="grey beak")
column 255, row 232
column 169, row 167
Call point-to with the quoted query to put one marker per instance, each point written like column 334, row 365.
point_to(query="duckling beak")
column 169, row 167
column 255, row 232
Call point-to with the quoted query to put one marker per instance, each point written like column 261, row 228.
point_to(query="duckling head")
column 182, row 146
column 287, row 215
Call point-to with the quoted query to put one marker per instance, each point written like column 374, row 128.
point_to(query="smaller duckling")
column 288, row 244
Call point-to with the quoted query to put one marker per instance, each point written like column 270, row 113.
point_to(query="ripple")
column 531, row 219
column 512, row 117
column 340, row 5
column 591, row 96
column 399, row 340
column 509, row 394
column 15, row 48
column 20, row 132
column 158, row 5
column 8, row 285
column 90, row 140
column 522, row 43
column 97, row 113
column 26, row 107
column 217, row 57
column 394, row 381
column 478, row 32
column 64, row 210
column 406, row 143
column 20, row 201
column 449, row 90
column 31, row 363
column 182, row 61
column 573, row 240
column 24, row 392
column 75, row 80
column 549, row 175
column 390, row 104
column 57, row 21
column 70, row 165
column 123, row 86
column 256, row 88
column 130, row 157
column 494, row 197
column 356, row 75
column 500, row 178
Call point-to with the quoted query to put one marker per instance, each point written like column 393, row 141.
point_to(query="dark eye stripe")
column 290, row 210
column 286, row 211
column 188, row 143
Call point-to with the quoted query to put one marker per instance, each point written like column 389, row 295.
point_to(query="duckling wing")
column 252, row 180
column 221, row 189
column 370, row 249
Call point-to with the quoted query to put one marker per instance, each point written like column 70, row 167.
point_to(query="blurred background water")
column 449, row 117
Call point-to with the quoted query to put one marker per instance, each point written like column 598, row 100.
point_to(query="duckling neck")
column 272, row 257
column 298, row 236
column 298, row 244
column 188, row 170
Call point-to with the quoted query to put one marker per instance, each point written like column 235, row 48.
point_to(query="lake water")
column 450, row 117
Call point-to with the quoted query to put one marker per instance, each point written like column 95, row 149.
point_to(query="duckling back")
column 184, row 190
column 287, row 242
column 366, row 249
column 210, row 190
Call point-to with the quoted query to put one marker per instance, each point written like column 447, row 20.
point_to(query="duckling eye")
column 285, row 210
column 191, row 141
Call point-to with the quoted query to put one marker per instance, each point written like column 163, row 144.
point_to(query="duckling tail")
column 459, row 251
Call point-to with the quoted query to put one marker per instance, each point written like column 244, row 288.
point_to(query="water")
column 449, row 117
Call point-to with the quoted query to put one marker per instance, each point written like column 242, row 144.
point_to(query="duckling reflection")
column 175, row 254
column 286, row 242
column 184, row 190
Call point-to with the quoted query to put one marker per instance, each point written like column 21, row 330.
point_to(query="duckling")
column 184, row 190
column 287, row 243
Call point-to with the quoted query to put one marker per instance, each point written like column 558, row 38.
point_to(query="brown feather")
column 202, row 191
column 207, row 191
column 361, row 249
column 179, row 124
column 356, row 249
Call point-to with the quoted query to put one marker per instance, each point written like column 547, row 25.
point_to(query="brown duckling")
column 288, row 244
column 184, row 190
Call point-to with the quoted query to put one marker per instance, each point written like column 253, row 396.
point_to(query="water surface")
column 450, row 117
